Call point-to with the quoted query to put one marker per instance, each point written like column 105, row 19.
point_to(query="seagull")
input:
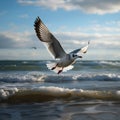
column 64, row 61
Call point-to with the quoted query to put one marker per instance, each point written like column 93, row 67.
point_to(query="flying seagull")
column 64, row 61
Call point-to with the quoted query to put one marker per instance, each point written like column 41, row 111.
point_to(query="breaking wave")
column 38, row 77
column 43, row 94
column 31, row 81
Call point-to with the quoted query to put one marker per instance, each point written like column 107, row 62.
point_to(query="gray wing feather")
column 76, row 51
column 83, row 49
column 46, row 36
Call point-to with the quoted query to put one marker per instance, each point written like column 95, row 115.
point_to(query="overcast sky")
column 73, row 22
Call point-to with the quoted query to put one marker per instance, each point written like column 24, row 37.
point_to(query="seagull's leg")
column 60, row 71
column 54, row 67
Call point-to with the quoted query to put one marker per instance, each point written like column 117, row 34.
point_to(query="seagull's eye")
column 73, row 55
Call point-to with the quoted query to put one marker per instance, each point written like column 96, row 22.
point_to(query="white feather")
column 57, row 69
column 68, row 68
column 52, row 65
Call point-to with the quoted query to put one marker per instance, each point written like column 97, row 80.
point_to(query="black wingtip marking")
column 37, row 24
column 37, row 21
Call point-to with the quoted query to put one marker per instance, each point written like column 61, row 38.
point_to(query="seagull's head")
column 75, row 56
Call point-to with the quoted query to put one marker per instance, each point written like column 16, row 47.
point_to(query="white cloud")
column 27, row 39
column 88, row 6
column 102, row 46
column 105, row 29
column 9, row 39
column 77, row 39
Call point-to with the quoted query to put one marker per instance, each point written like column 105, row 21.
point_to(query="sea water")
column 29, row 91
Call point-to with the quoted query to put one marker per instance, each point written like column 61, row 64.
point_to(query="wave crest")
column 43, row 94
column 38, row 77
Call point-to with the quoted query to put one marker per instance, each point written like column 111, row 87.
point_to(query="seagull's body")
column 65, row 60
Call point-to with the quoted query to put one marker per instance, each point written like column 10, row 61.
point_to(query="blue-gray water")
column 29, row 91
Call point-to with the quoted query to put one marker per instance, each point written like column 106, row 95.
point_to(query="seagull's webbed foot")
column 59, row 71
column 53, row 68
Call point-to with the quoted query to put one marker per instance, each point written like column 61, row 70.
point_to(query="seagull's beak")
column 79, row 56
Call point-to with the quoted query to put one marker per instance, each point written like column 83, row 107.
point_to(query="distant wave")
column 114, row 63
column 22, row 77
column 31, row 81
column 44, row 93
column 41, row 65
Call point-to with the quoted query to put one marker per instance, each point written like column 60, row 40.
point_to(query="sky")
column 72, row 22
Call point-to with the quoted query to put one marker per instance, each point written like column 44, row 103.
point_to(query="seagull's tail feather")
column 68, row 68
column 53, row 66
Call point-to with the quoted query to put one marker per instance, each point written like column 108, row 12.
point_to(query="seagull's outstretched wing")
column 46, row 36
column 81, row 50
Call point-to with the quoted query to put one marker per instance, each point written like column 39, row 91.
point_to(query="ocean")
column 29, row 91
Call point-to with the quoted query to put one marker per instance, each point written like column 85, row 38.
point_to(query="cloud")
column 10, row 39
column 5, row 42
column 88, row 6
column 77, row 39
column 69, row 40
column 109, row 27
column 105, row 45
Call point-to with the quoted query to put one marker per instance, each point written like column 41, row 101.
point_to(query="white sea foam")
column 38, row 77
column 56, row 91
column 114, row 63
column 5, row 93
column 118, row 92
column 51, row 92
